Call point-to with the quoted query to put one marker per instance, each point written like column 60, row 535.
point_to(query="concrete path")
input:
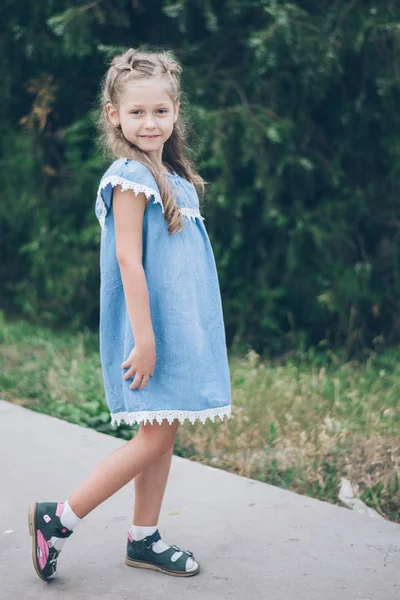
column 253, row 541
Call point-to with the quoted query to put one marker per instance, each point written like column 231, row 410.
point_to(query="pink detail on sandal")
column 46, row 518
column 60, row 508
column 130, row 537
column 43, row 550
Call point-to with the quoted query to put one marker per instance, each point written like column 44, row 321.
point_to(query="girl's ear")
column 112, row 114
column 177, row 105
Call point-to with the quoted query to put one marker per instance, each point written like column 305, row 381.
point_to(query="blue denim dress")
column 191, row 379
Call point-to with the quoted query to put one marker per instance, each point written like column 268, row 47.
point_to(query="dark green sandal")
column 44, row 527
column 140, row 554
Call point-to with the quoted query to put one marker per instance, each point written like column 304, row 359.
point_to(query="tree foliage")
column 295, row 126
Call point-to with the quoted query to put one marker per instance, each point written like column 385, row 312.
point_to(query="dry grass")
column 304, row 427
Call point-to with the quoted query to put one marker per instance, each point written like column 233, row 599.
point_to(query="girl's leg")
column 116, row 470
column 150, row 486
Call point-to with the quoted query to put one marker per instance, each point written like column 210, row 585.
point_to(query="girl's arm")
column 128, row 219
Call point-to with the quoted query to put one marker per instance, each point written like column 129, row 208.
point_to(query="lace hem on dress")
column 130, row 418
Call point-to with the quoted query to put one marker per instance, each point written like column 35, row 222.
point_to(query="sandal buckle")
column 146, row 546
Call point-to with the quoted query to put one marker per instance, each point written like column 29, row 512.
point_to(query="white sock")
column 69, row 520
column 139, row 532
column 68, row 517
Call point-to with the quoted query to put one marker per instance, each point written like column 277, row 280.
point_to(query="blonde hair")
column 142, row 64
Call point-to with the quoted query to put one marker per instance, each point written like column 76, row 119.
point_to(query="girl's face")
column 146, row 115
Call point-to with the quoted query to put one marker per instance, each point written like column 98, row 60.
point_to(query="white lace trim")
column 191, row 213
column 130, row 418
column 125, row 184
column 137, row 188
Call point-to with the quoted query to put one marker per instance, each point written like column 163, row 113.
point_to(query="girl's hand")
column 141, row 362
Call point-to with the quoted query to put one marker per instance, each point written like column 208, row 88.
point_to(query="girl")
column 162, row 339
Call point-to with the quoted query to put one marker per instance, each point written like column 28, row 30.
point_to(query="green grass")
column 301, row 422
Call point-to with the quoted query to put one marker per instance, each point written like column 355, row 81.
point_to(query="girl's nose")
column 149, row 122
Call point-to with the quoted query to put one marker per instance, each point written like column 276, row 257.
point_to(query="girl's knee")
column 160, row 438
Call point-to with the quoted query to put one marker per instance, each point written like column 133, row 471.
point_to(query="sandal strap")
column 150, row 540
column 164, row 559
column 184, row 551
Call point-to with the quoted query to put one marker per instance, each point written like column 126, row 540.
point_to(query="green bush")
column 295, row 109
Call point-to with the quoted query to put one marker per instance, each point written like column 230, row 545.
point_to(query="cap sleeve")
column 130, row 175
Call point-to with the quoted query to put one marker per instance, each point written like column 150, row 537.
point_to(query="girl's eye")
column 161, row 111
